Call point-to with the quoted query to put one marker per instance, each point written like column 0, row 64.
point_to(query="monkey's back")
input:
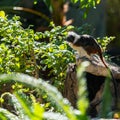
column 88, row 43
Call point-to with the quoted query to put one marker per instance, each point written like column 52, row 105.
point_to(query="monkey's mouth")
column 70, row 44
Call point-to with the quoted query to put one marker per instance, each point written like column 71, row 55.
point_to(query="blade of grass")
column 50, row 90
column 8, row 114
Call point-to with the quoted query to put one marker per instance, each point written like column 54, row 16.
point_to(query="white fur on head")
column 79, row 49
column 72, row 37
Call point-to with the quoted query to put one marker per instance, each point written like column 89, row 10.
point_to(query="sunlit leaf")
column 38, row 111
column 2, row 14
column 98, row 1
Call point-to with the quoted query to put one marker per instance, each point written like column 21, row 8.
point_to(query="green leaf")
column 54, row 116
column 98, row 1
column 7, row 115
column 82, row 92
column 106, row 104
column 2, row 14
column 52, row 92
column 38, row 111
column 24, row 104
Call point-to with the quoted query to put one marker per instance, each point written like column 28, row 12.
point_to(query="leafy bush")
column 22, row 50
column 105, row 41
column 30, row 109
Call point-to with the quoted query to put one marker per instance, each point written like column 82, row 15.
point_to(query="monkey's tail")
column 113, row 79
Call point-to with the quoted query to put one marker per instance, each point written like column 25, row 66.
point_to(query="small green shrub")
column 23, row 50
column 104, row 42
column 26, row 107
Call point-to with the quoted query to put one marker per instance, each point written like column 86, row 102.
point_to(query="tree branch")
column 97, row 68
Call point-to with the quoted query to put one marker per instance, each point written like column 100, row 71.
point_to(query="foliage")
column 22, row 50
column 105, row 41
column 27, row 107
column 2, row 14
column 82, row 3
column 55, row 55
column 106, row 104
column 82, row 94
column 87, row 3
column 16, row 46
column 30, row 109
column 44, row 16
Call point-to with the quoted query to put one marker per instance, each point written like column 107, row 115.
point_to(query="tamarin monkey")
column 86, row 45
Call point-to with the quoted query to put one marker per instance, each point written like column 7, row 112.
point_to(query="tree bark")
column 59, row 9
column 70, row 85
column 97, row 68
column 96, row 73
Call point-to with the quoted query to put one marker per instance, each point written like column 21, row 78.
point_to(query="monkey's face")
column 74, row 41
column 71, row 38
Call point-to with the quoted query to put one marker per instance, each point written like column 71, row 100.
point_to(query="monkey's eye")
column 70, row 38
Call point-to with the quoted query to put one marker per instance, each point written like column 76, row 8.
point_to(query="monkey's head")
column 72, row 37
column 77, row 42
column 86, row 42
column 80, row 40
